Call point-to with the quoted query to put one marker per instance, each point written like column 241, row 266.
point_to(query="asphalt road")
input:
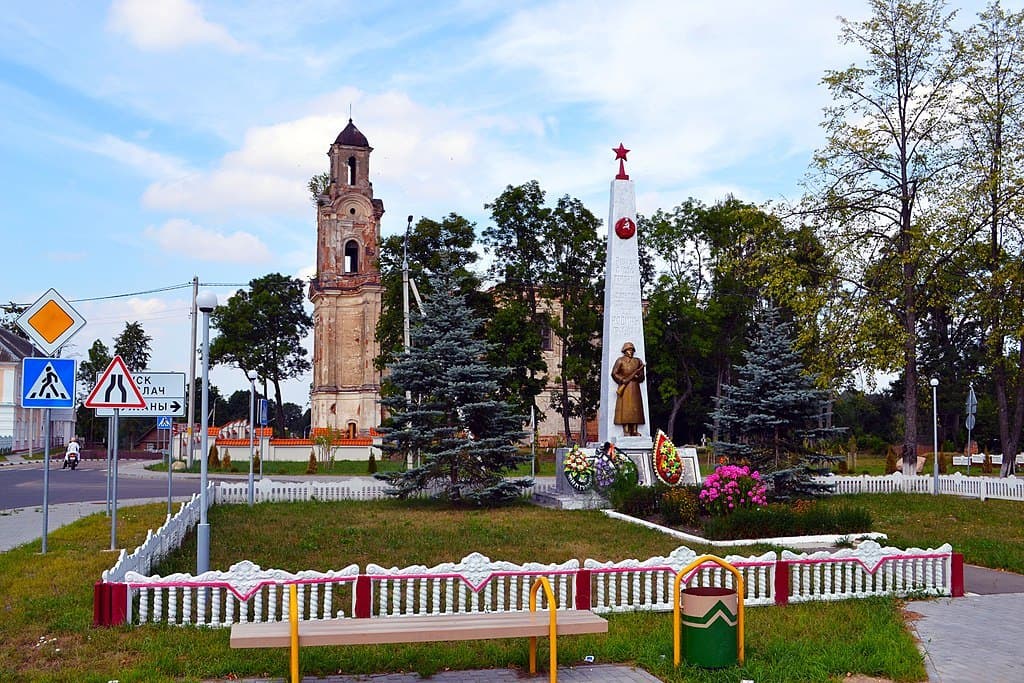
column 22, row 486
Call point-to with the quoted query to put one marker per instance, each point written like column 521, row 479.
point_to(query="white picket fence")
column 270, row 491
column 247, row 593
column 956, row 484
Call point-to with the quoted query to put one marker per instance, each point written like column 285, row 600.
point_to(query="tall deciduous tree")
column 574, row 279
column 89, row 370
column 262, row 329
column 992, row 173
column 464, row 432
column 888, row 129
column 133, row 345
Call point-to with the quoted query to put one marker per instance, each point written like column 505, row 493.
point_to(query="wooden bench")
column 424, row 629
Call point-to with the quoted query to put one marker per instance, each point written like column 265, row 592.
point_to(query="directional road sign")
column 115, row 389
column 47, row 383
column 164, row 394
column 50, row 322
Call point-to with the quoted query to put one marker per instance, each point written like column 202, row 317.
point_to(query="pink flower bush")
column 731, row 487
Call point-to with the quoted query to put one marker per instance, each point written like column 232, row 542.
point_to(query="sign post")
column 164, row 423
column 50, row 322
column 972, row 409
column 115, row 389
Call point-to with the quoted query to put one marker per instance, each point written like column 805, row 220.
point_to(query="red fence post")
column 118, row 594
column 781, row 582
column 582, row 589
column 956, row 579
column 100, row 604
column 364, row 597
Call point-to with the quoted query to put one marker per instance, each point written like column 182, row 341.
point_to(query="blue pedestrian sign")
column 263, row 412
column 48, row 383
column 163, row 422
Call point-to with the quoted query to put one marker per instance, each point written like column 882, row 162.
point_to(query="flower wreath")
column 578, row 470
column 668, row 466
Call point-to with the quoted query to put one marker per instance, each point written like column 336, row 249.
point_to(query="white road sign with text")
column 164, row 393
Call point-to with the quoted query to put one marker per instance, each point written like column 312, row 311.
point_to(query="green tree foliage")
column 133, row 345
column 89, row 427
column 888, row 130
column 218, row 406
column 464, row 433
column 261, row 329
column 573, row 281
column 772, row 411
column 515, row 242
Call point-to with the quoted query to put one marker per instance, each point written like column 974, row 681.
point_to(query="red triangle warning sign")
column 115, row 389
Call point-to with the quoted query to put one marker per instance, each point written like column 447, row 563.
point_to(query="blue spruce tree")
column 771, row 417
column 464, row 434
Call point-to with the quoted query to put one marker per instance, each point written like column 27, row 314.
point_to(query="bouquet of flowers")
column 578, row 471
column 606, row 466
column 731, row 487
column 668, row 466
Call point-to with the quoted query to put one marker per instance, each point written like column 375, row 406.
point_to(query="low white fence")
column 247, row 593
column 956, row 484
column 270, row 491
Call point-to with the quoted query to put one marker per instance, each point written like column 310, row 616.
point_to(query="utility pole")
column 192, row 371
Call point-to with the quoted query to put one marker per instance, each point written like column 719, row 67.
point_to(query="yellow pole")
column 552, row 628
column 293, row 618
column 676, row 655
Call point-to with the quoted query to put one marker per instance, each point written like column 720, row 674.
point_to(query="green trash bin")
column 709, row 618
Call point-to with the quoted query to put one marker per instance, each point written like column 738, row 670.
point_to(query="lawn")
column 45, row 634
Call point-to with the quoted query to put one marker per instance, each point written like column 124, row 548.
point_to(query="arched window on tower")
column 351, row 170
column 351, row 256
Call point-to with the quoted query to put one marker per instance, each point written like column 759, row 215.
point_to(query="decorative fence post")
column 583, row 589
column 782, row 582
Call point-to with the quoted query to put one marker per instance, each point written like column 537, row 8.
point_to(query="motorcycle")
column 70, row 460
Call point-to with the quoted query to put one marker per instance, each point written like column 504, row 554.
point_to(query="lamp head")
column 934, row 381
column 206, row 301
column 251, row 375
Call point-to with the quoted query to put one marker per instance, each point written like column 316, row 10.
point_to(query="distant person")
column 73, row 450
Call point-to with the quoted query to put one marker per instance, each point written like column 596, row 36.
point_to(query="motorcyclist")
column 73, row 450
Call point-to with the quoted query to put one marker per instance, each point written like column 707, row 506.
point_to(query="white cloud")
column 158, row 25
column 184, row 237
column 147, row 162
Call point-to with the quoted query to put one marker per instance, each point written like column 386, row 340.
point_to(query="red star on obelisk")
column 620, row 156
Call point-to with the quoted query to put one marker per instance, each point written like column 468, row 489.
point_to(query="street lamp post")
column 405, row 316
column 206, row 301
column 935, row 435
column 252, row 427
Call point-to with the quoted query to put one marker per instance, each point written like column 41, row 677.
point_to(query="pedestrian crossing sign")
column 48, row 383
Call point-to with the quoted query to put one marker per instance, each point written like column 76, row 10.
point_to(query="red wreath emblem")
column 625, row 228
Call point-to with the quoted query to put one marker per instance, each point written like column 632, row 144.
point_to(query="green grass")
column 46, row 600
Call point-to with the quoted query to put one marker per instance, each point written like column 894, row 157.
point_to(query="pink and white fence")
column 247, row 593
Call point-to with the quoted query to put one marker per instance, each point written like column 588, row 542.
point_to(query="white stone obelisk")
column 623, row 312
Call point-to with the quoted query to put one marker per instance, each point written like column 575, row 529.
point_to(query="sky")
column 147, row 142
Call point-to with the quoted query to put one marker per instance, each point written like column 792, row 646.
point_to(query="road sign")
column 50, row 322
column 970, row 421
column 47, row 383
column 163, row 422
column 164, row 393
column 263, row 412
column 972, row 402
column 115, row 389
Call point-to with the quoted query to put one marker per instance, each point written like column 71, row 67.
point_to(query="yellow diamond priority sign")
column 50, row 322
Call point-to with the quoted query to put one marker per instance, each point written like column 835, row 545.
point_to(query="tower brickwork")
column 346, row 292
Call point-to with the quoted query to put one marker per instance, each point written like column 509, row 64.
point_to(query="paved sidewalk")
column 594, row 673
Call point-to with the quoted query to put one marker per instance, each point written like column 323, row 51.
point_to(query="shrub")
column 843, row 467
column 311, row 467
column 638, row 501
column 225, row 462
column 681, row 506
column 213, row 458
column 986, row 465
column 943, row 463
column 256, row 461
column 732, row 487
column 371, row 465
column 776, row 520
column 890, row 460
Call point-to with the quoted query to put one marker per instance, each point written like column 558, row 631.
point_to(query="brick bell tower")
column 346, row 292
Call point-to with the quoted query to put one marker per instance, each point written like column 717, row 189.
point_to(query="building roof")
column 351, row 137
column 13, row 348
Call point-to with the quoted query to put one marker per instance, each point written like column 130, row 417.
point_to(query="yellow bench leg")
column 552, row 629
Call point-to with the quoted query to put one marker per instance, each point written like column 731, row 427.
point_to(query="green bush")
column 637, row 501
column 681, row 506
column 213, row 458
column 782, row 520
column 225, row 462
column 371, row 465
column 311, row 467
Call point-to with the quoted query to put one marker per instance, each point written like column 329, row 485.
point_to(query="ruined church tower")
column 346, row 292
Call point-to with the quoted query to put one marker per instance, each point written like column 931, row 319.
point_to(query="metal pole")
column 113, row 485
column 110, row 445
column 169, row 465
column 405, row 318
column 46, row 476
column 935, row 432
column 203, row 530
column 252, row 431
column 192, row 373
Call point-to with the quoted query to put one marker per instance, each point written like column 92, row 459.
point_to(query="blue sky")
column 149, row 141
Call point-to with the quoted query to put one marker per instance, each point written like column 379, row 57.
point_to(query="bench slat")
column 417, row 629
